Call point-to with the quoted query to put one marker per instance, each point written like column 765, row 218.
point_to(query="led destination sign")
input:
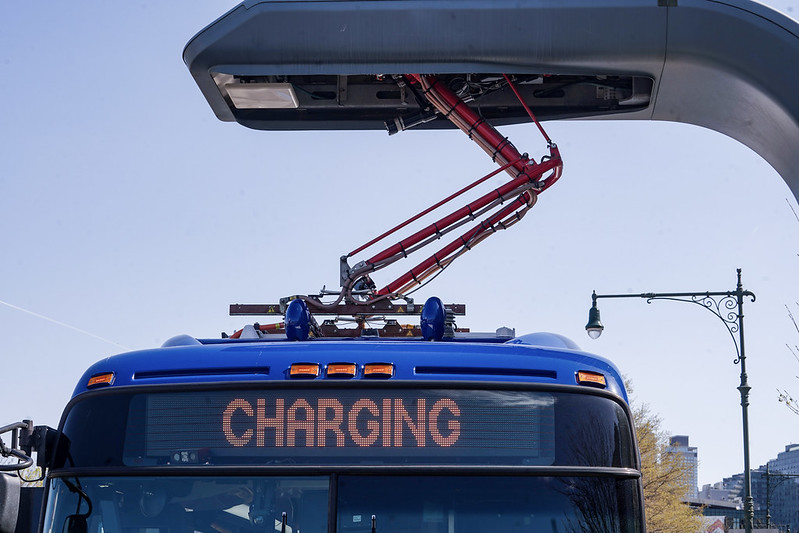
column 363, row 423
column 335, row 425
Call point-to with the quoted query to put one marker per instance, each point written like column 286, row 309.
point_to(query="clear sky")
column 130, row 214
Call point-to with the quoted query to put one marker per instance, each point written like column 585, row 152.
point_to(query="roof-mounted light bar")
column 378, row 370
column 304, row 370
column 341, row 370
column 594, row 379
column 101, row 380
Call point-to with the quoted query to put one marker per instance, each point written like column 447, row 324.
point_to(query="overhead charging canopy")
column 727, row 65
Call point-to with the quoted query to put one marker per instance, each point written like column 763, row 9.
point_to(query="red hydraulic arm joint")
column 528, row 181
column 494, row 211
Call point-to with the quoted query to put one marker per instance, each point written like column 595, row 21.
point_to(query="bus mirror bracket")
column 42, row 440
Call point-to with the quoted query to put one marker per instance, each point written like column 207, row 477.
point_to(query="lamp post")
column 729, row 308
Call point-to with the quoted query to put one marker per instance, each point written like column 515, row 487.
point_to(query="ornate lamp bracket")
column 729, row 308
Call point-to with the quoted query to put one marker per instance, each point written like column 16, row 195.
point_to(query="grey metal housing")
column 727, row 65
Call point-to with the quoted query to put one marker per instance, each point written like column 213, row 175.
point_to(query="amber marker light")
column 101, row 380
column 341, row 370
column 304, row 370
column 585, row 377
column 378, row 370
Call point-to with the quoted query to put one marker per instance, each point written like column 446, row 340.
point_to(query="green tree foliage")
column 665, row 484
column 30, row 477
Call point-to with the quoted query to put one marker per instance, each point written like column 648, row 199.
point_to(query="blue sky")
column 130, row 214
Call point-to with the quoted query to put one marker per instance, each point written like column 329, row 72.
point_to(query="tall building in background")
column 787, row 462
column 775, row 491
column 678, row 444
column 784, row 490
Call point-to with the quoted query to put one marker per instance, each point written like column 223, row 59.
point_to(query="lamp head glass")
column 594, row 327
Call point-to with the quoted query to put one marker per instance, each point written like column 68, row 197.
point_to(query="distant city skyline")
column 775, row 489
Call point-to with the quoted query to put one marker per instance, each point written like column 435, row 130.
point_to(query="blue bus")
column 476, row 432
column 309, row 428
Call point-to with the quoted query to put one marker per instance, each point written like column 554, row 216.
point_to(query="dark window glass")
column 348, row 426
column 407, row 504
column 478, row 504
column 94, row 432
column 211, row 504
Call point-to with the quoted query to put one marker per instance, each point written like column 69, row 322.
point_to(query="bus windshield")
column 343, row 426
column 343, row 459
column 344, row 503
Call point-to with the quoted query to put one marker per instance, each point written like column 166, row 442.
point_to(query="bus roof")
column 536, row 358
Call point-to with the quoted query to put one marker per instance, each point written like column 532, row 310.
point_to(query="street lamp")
column 729, row 308
column 594, row 326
